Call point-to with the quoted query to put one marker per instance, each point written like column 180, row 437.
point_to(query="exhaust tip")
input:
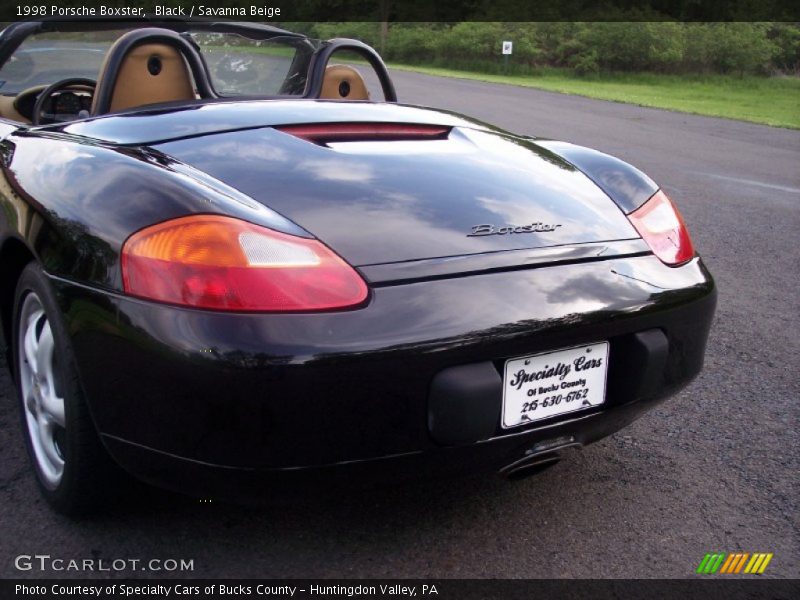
column 538, row 458
column 530, row 466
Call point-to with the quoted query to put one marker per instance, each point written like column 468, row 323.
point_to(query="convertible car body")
column 222, row 264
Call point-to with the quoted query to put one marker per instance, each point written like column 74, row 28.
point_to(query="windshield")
column 45, row 58
column 237, row 64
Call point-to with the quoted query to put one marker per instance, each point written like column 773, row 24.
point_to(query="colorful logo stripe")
column 734, row 563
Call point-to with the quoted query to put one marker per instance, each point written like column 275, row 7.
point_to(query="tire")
column 73, row 470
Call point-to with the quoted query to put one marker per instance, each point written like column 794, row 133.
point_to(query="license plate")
column 546, row 385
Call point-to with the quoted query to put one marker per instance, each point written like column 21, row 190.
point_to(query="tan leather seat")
column 148, row 74
column 343, row 83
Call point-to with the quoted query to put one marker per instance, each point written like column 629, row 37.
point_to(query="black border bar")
column 286, row 11
column 705, row 588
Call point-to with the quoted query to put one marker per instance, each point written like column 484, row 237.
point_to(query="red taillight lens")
column 221, row 263
column 662, row 227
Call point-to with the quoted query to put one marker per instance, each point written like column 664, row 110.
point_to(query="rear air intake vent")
column 365, row 132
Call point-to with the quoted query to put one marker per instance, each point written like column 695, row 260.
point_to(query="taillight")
column 662, row 227
column 221, row 263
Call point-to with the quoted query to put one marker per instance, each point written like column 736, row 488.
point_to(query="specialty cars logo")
column 487, row 229
column 734, row 563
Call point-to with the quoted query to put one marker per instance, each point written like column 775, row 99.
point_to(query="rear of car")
column 489, row 305
column 417, row 374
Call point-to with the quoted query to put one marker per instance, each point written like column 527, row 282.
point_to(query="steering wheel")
column 37, row 117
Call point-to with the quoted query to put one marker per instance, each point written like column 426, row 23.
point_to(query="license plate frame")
column 529, row 394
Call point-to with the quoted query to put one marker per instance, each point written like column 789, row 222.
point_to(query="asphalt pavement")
column 713, row 469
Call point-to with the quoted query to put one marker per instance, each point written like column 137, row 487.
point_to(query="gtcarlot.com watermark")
column 48, row 563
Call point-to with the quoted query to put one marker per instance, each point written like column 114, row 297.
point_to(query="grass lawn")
column 768, row 100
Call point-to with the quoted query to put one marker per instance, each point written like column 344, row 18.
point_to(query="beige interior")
column 335, row 76
column 136, row 86
column 7, row 110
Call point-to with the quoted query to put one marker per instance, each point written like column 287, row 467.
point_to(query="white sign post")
column 508, row 47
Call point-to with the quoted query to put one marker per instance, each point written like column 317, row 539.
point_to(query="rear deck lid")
column 446, row 192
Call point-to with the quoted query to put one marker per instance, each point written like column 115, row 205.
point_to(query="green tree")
column 785, row 39
column 646, row 46
column 412, row 42
column 738, row 48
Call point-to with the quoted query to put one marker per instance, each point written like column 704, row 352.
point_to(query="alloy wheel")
column 44, row 407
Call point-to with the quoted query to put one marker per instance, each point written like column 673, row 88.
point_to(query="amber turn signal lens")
column 222, row 263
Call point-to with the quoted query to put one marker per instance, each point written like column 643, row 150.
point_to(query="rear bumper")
column 177, row 393
column 488, row 456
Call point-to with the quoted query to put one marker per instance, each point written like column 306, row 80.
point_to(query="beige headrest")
column 343, row 83
column 149, row 74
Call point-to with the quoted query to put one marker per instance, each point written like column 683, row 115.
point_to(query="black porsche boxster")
column 223, row 264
